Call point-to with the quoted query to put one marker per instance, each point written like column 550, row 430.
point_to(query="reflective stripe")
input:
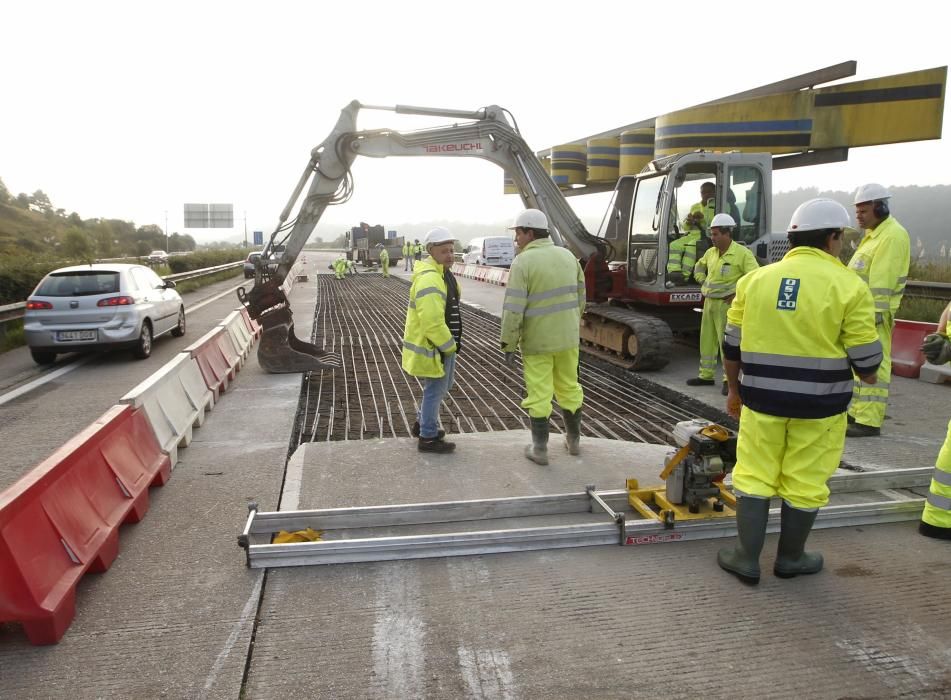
column 521, row 293
column 732, row 334
column 554, row 308
column 865, row 350
column 551, row 293
column 868, row 362
column 795, row 387
column 514, row 308
column 878, row 385
column 869, row 398
column 902, row 280
column 418, row 350
column 811, row 363
column 942, row 477
column 883, row 291
column 430, row 290
column 882, row 305
column 941, row 502
column 412, row 304
column 448, row 345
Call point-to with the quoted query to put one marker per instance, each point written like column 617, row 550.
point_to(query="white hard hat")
column 819, row 214
column 531, row 218
column 722, row 221
column 438, row 235
column 870, row 192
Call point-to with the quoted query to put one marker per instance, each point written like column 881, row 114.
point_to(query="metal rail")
column 593, row 521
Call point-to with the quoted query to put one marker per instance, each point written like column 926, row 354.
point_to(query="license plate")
column 76, row 335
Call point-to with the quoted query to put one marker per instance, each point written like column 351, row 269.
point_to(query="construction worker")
column 384, row 260
column 433, row 336
column 407, row 255
column 417, row 249
column 351, row 267
column 881, row 260
column 340, row 267
column 682, row 255
column 541, row 314
column 936, row 517
column 798, row 328
column 718, row 272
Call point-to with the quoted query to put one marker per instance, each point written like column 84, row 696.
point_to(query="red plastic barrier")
column 906, row 341
column 62, row 518
column 212, row 361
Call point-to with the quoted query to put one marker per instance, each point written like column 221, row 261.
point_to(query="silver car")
column 95, row 307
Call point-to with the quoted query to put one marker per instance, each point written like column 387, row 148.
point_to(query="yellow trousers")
column 788, row 457
column 938, row 506
column 869, row 400
column 712, row 327
column 551, row 375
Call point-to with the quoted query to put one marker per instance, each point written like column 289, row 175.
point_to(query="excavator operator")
column 683, row 251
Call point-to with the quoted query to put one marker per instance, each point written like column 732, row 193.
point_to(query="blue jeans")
column 434, row 390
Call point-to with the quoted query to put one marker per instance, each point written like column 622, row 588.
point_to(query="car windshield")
column 77, row 284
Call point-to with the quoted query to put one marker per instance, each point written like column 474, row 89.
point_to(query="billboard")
column 209, row 216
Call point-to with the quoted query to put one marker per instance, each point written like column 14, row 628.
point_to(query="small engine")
column 707, row 454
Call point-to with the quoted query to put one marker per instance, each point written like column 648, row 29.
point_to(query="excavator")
column 634, row 306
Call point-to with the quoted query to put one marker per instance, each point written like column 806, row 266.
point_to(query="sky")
column 129, row 110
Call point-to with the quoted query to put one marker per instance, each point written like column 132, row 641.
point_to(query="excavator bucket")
column 280, row 350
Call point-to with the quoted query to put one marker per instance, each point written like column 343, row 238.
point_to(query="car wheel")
column 41, row 357
column 179, row 330
column 144, row 347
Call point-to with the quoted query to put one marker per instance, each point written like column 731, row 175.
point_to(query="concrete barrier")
column 242, row 339
column 212, row 361
column 175, row 400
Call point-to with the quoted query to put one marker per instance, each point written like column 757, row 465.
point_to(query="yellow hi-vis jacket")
column 718, row 274
column 407, row 249
column 544, row 300
column 799, row 327
column 882, row 260
column 384, row 257
column 708, row 212
column 426, row 334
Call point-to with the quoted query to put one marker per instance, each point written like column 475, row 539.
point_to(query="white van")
column 491, row 250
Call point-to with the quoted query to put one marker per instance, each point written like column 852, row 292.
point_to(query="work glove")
column 510, row 360
column 937, row 349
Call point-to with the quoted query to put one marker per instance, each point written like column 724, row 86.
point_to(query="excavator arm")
column 487, row 134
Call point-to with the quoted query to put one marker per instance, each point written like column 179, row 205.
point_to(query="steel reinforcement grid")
column 361, row 318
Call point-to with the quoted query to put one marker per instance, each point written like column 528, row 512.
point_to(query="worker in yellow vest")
column 407, row 255
column 936, row 517
column 718, row 272
column 798, row 328
column 683, row 252
column 882, row 261
column 340, row 267
column 541, row 315
column 384, row 260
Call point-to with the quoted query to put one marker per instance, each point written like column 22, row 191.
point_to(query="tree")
column 5, row 196
column 41, row 202
column 77, row 246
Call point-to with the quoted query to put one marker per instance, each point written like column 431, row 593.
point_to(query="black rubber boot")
column 743, row 560
column 572, row 431
column 415, row 432
column 538, row 450
column 791, row 559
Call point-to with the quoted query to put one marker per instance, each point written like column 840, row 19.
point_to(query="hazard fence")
column 62, row 518
column 482, row 273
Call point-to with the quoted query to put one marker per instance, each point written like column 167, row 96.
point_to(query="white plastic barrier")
column 234, row 325
column 934, row 374
column 175, row 399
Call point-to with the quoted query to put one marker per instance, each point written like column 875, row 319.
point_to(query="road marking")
column 55, row 374
column 399, row 661
column 250, row 608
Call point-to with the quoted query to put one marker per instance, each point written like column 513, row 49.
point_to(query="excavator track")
column 626, row 338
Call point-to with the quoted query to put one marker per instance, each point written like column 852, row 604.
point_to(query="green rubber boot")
column 538, row 450
column 743, row 560
column 791, row 559
column 572, row 431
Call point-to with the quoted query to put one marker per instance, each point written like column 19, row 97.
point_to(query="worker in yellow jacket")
column 881, row 260
column 798, row 329
column 407, row 255
column 718, row 272
column 936, row 517
column 432, row 335
column 340, row 267
column 683, row 252
column 384, row 260
column 541, row 315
